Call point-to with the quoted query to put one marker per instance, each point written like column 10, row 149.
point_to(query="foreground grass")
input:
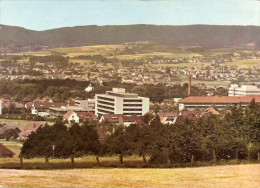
column 214, row 176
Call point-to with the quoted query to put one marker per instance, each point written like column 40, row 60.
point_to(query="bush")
column 158, row 157
column 254, row 149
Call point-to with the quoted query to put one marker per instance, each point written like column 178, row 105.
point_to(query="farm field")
column 200, row 64
column 244, row 63
column 214, row 176
column 155, row 54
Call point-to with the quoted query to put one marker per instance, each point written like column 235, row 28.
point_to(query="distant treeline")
column 61, row 90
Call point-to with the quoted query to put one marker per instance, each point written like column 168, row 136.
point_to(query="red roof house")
column 5, row 152
column 6, row 127
column 23, row 135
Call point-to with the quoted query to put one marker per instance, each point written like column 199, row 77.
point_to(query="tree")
column 10, row 133
column 84, row 140
column 116, row 143
column 76, row 141
column 138, row 139
column 218, row 137
column 185, row 140
column 252, row 130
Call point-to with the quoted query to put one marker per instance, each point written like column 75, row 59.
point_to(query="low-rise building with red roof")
column 5, row 152
column 127, row 120
column 7, row 127
column 209, row 110
column 32, row 127
column 220, row 102
column 77, row 117
column 168, row 117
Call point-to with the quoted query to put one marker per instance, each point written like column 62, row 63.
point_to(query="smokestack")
column 189, row 86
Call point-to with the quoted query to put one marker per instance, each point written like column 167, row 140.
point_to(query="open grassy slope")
column 214, row 176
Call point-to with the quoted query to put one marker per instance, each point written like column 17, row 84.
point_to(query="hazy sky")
column 49, row 14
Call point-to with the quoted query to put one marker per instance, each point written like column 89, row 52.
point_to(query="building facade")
column 244, row 90
column 219, row 101
column 118, row 101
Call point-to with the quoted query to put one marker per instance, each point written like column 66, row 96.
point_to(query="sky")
column 49, row 14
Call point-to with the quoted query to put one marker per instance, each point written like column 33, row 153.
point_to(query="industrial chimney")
column 189, row 86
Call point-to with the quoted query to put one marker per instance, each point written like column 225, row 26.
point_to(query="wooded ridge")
column 208, row 36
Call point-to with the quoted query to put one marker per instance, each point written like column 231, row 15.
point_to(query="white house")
column 77, row 117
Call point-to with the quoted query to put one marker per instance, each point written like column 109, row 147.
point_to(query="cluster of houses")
column 141, row 74
column 22, row 134
column 122, row 108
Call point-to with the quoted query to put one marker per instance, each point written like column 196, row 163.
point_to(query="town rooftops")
column 167, row 114
column 4, row 151
column 67, row 115
column 210, row 110
column 66, row 108
column 133, row 119
column 85, row 115
column 24, row 134
column 6, row 127
column 32, row 127
column 48, row 105
column 220, row 99
column 112, row 118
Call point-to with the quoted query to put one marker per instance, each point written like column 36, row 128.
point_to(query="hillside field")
column 214, row 176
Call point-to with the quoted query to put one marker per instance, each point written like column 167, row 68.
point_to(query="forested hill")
column 209, row 36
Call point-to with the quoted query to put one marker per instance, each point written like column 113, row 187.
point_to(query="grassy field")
column 86, row 173
column 199, row 64
column 214, row 176
column 154, row 54
column 244, row 63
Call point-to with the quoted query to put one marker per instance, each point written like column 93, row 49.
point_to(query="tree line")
column 61, row 90
column 211, row 137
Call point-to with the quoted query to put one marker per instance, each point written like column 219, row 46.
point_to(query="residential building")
column 243, row 90
column 36, row 108
column 219, row 101
column 110, row 118
column 209, row 110
column 127, row 120
column 190, row 114
column 72, row 116
column 167, row 117
column 5, row 128
column 60, row 111
column 118, row 101
column 24, row 134
column 5, row 152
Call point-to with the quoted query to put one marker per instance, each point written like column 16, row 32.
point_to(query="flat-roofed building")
column 118, row 101
column 219, row 101
column 243, row 90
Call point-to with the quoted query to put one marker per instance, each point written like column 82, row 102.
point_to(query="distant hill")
column 209, row 36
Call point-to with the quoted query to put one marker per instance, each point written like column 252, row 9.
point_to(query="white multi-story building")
column 118, row 101
column 244, row 90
